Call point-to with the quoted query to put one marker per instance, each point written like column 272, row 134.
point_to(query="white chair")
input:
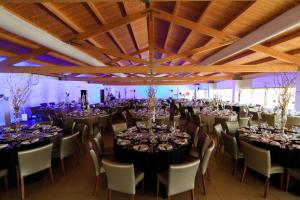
column 180, row 178
column 97, row 166
column 33, row 161
column 3, row 173
column 259, row 160
column 122, row 177
column 119, row 127
column 101, row 150
column 205, row 161
column 69, row 147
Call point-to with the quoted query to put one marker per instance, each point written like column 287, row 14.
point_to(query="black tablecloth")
column 152, row 162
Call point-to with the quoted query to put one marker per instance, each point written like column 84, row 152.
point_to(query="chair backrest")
column 84, row 133
column 119, row 127
column 230, row 145
column 218, row 131
column 243, row 121
column 176, row 120
column 182, row 177
column 120, row 177
column 94, row 159
column 257, row 159
column 193, row 131
column 243, row 111
column 269, row 118
column 69, row 145
column 202, row 144
column 206, row 157
column 232, row 127
column 34, row 160
column 98, row 140
column 292, row 121
column 104, row 120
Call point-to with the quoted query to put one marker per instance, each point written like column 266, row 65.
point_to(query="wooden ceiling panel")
column 40, row 17
column 78, row 13
column 191, row 10
column 165, row 6
column 177, row 36
column 161, row 30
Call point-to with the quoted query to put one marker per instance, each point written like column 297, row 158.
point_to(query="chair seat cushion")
column 276, row 169
column 3, row 172
column 138, row 176
column 163, row 177
column 294, row 173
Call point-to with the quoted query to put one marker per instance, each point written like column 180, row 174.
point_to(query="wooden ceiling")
column 167, row 38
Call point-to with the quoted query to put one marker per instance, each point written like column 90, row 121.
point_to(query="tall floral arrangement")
column 20, row 91
column 285, row 82
column 151, row 105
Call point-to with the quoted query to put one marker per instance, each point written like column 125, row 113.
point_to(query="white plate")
column 165, row 147
column 141, row 147
column 123, row 142
column 181, row 141
column 2, row 146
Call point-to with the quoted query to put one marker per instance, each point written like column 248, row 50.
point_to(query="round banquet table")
column 153, row 159
column 287, row 155
column 27, row 138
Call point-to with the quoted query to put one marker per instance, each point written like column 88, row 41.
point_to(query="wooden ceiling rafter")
column 151, row 39
column 156, row 69
column 221, row 35
column 65, row 19
column 190, row 33
column 131, row 54
column 112, row 35
column 169, row 53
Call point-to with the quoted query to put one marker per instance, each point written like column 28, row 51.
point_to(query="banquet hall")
column 149, row 99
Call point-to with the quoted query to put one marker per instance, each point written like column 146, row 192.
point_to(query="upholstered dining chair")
column 179, row 178
column 232, row 150
column 188, row 116
column 269, row 118
column 101, row 150
column 176, row 120
column 205, row 161
column 202, row 144
column 232, row 127
column 3, row 173
column 218, row 135
column 243, row 121
column 197, row 120
column 84, row 132
column 97, row 166
column 117, row 128
column 259, row 160
column 33, row 161
column 291, row 173
column 292, row 121
column 69, row 147
column 122, row 178
column 69, row 126
column 193, row 130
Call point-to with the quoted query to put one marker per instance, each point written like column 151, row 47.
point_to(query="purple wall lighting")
column 54, row 60
column 8, row 46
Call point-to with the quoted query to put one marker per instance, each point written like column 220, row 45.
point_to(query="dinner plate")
column 165, row 147
column 181, row 141
column 183, row 135
column 123, row 142
column 26, row 142
column 2, row 146
column 141, row 147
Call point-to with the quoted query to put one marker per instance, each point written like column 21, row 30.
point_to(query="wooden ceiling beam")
column 131, row 54
column 202, row 49
column 176, row 78
column 156, row 69
column 283, row 23
column 107, row 27
column 149, row 83
column 23, row 57
column 169, row 53
column 221, row 35
column 101, row 19
column 150, row 21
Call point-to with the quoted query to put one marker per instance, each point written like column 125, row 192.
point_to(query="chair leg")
column 96, row 184
column 203, row 184
column 287, row 182
column 192, row 194
column 51, row 175
column 234, row 167
column 108, row 194
column 266, row 187
column 143, row 186
column 18, row 178
column 281, row 181
column 62, row 166
column 157, row 189
column 5, row 183
column 22, row 188
column 244, row 173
